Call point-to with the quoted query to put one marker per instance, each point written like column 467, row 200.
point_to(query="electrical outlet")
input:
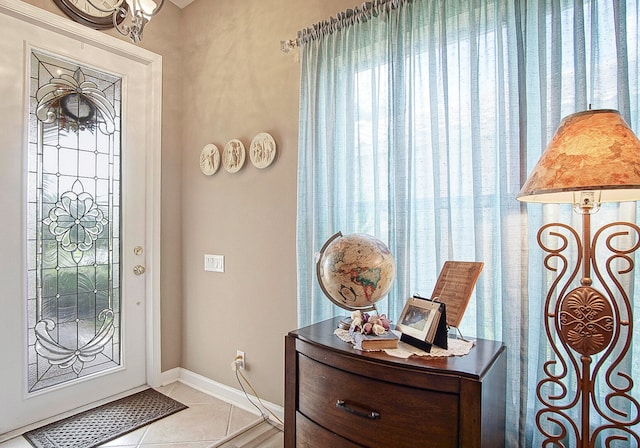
column 240, row 361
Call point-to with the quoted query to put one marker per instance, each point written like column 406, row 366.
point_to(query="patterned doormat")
column 107, row 422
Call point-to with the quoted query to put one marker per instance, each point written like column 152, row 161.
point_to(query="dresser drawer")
column 310, row 435
column 404, row 416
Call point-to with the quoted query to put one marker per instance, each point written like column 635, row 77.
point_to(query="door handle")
column 138, row 269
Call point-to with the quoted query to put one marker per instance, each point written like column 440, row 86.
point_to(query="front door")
column 75, row 125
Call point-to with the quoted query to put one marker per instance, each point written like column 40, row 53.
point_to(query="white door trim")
column 46, row 20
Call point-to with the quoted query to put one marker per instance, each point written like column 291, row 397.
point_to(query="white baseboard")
column 221, row 391
column 170, row 376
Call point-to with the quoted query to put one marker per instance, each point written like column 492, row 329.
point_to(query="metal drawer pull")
column 371, row 415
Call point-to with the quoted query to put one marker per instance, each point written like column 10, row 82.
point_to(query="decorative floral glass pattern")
column 76, row 221
column 73, row 222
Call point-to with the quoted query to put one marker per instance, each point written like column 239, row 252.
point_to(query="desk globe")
column 355, row 271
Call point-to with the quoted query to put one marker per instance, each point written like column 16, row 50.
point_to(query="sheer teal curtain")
column 419, row 122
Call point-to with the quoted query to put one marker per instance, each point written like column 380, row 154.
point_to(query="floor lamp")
column 593, row 158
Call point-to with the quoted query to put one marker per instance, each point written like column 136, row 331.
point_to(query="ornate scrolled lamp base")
column 590, row 334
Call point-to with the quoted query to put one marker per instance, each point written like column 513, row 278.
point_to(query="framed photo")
column 420, row 319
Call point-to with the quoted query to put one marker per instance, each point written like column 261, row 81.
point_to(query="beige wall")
column 225, row 77
column 236, row 84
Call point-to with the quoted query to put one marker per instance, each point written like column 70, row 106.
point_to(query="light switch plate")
column 214, row 263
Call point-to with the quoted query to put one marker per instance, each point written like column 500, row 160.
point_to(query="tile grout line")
column 146, row 430
column 229, row 421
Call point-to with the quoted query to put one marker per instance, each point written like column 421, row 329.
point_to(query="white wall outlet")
column 240, row 361
column 214, row 263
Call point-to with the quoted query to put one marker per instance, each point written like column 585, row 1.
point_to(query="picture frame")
column 422, row 323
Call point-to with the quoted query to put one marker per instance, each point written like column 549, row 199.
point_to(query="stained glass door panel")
column 73, row 222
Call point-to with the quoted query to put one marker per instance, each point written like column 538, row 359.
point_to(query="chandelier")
column 138, row 11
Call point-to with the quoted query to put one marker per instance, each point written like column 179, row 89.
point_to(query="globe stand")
column 345, row 323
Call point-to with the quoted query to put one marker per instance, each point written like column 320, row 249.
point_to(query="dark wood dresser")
column 337, row 396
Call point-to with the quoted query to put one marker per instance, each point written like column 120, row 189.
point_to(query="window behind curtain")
column 399, row 141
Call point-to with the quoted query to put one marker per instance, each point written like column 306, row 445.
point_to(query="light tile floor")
column 207, row 420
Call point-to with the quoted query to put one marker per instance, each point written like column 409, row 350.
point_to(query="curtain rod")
column 359, row 14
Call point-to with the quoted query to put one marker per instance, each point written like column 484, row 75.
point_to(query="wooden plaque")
column 454, row 287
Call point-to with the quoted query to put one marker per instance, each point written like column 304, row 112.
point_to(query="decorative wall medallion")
column 209, row 159
column 233, row 156
column 262, row 150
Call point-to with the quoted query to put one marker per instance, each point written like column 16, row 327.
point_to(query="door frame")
column 52, row 22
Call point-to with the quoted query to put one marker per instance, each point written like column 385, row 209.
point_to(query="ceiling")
column 181, row 3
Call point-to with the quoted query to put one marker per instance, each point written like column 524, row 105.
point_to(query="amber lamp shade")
column 594, row 150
